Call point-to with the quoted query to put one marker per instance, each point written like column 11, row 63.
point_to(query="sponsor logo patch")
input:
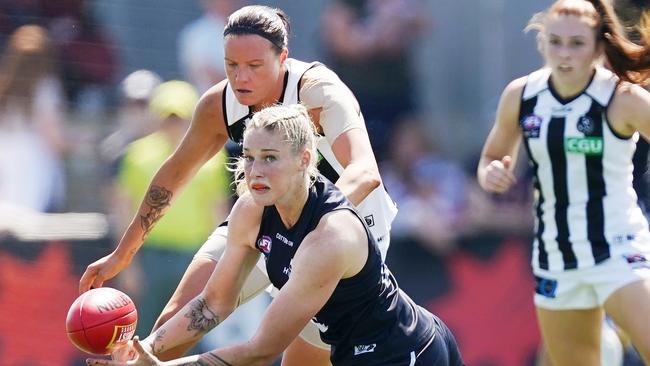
column 364, row 348
column 584, row 145
column 637, row 260
column 122, row 334
column 585, row 125
column 281, row 238
column 545, row 286
column 531, row 125
column 370, row 220
column 623, row 238
column 264, row 243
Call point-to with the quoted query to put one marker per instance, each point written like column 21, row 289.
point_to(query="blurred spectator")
column 16, row 13
column 172, row 243
column 31, row 123
column 428, row 188
column 134, row 118
column 368, row 44
column 86, row 51
column 200, row 44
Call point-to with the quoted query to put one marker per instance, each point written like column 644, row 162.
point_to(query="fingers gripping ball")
column 100, row 320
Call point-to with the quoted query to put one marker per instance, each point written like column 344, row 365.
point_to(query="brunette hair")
column 629, row 60
column 264, row 21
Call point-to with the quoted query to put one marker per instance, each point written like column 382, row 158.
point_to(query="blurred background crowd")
column 94, row 95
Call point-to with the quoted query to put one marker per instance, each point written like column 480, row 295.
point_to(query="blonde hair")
column 293, row 123
column 629, row 61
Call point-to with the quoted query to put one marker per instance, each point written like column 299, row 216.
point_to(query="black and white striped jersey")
column 586, row 208
column 378, row 209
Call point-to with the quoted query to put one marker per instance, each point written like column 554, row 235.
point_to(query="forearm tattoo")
column 156, row 347
column 158, row 198
column 202, row 319
column 209, row 359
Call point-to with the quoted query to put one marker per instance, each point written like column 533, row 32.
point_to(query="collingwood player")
column 579, row 124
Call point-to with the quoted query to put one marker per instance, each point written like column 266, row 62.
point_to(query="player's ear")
column 305, row 158
column 284, row 54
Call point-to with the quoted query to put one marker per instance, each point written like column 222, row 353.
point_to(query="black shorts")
column 443, row 349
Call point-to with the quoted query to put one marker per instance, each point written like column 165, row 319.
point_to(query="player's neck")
column 276, row 93
column 290, row 207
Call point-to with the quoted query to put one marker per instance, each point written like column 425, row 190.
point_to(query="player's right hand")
column 498, row 177
column 125, row 353
column 143, row 357
column 102, row 270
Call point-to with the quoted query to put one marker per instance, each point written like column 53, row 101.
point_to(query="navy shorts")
column 442, row 351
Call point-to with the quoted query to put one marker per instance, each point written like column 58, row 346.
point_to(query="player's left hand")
column 143, row 358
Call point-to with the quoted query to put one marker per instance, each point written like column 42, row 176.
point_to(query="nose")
column 255, row 170
column 242, row 75
column 564, row 52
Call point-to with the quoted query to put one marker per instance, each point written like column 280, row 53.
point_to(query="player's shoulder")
column 210, row 104
column 319, row 74
column 245, row 211
column 515, row 87
column 513, row 92
column 341, row 226
column 213, row 97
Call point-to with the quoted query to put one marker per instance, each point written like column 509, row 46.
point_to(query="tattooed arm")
column 206, row 136
column 337, row 249
column 220, row 295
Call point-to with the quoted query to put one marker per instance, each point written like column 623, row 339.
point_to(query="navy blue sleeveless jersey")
column 368, row 320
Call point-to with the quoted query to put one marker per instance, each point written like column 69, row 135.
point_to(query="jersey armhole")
column 224, row 111
column 606, row 115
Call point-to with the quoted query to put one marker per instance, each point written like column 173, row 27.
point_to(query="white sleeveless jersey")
column 586, row 209
column 378, row 209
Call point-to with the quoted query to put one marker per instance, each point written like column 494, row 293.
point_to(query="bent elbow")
column 372, row 179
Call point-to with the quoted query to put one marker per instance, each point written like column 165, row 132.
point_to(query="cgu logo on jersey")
column 531, row 125
column 584, row 145
column 264, row 243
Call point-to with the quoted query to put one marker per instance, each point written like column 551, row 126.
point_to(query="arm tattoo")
column 159, row 337
column 202, row 319
column 158, row 198
column 209, row 359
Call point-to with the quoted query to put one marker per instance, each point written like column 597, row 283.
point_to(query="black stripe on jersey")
column 235, row 130
column 326, row 169
column 596, row 189
column 284, row 86
column 527, row 108
column 555, row 145
column 224, row 110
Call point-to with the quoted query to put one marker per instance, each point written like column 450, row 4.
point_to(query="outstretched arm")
column 336, row 249
column 205, row 137
column 220, row 295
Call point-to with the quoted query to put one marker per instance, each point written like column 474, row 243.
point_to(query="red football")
column 101, row 319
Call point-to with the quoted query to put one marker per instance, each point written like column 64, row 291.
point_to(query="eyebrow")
column 263, row 150
column 558, row 36
column 249, row 61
